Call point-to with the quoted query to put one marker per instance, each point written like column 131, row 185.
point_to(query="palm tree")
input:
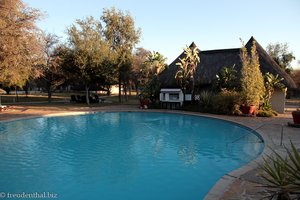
column 157, row 62
column 187, row 68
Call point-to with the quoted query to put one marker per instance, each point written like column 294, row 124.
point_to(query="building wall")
column 278, row 100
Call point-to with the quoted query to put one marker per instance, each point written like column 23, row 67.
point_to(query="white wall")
column 166, row 95
column 278, row 100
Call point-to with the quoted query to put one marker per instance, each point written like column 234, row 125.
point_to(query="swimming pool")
column 121, row 155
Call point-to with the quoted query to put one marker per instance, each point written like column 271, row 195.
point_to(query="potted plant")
column 252, row 82
column 296, row 116
column 144, row 103
column 248, row 109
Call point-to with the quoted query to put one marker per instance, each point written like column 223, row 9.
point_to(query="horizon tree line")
column 97, row 54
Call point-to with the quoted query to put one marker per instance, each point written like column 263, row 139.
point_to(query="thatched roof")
column 211, row 62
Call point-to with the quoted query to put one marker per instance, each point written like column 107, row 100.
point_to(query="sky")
column 170, row 25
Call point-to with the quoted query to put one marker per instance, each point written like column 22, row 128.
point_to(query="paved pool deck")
column 243, row 183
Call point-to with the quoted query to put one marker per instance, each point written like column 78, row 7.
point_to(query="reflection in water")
column 121, row 155
column 188, row 155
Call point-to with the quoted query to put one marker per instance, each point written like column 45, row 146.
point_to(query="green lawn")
column 6, row 99
column 61, row 98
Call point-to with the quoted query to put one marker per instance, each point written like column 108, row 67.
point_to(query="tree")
column 125, row 75
column 122, row 36
column 89, row 50
column 108, row 72
column 20, row 49
column 252, row 82
column 67, row 64
column 140, row 72
column 52, row 72
column 156, row 62
column 187, row 68
column 280, row 53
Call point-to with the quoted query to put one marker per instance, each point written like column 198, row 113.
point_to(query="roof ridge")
column 220, row 50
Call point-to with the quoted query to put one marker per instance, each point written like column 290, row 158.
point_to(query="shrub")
column 236, row 110
column 226, row 102
column 271, row 82
column 266, row 113
column 252, row 82
column 226, row 79
column 282, row 174
column 151, row 90
column 205, row 101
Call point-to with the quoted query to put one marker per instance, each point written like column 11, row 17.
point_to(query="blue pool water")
column 121, row 155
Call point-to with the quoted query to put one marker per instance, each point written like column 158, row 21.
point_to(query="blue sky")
column 168, row 26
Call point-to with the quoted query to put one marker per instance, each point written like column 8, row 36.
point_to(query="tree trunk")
column 49, row 91
column 108, row 91
column 17, row 96
column 183, row 96
column 87, row 94
column 26, row 89
column 137, row 89
column 7, row 90
column 120, row 85
column 125, row 91
column 49, row 95
column 130, row 88
column 193, row 87
column 26, row 93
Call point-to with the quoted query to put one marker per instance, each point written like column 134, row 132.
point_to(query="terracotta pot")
column 144, row 102
column 296, row 117
column 248, row 110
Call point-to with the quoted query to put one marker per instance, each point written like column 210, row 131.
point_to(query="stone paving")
column 242, row 183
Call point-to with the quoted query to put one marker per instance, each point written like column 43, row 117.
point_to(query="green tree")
column 140, row 72
column 156, row 63
column 107, row 71
column 122, row 36
column 52, row 74
column 89, row 50
column 125, row 73
column 20, row 48
column 252, row 82
column 67, row 64
column 187, row 68
column 282, row 56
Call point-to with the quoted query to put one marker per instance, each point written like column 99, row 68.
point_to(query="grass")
column 59, row 98
column 8, row 99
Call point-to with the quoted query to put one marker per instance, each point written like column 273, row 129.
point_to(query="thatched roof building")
column 211, row 62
